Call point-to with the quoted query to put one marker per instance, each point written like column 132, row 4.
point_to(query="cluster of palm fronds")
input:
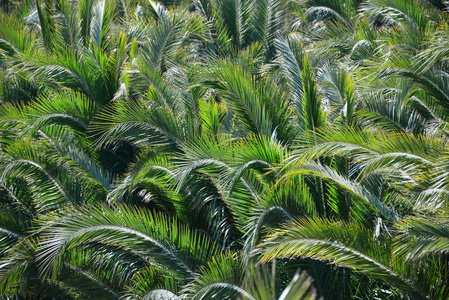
column 224, row 149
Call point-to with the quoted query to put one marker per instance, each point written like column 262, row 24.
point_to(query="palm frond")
column 262, row 109
column 341, row 243
column 143, row 233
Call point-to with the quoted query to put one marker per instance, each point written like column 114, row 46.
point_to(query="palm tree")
column 223, row 149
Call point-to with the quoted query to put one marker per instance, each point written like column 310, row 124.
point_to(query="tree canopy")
column 224, row 149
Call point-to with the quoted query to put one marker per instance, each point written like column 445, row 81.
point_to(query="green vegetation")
column 224, row 149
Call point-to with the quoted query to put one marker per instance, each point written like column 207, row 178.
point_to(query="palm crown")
column 224, row 149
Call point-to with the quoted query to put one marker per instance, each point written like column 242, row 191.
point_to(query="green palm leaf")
column 159, row 241
column 341, row 243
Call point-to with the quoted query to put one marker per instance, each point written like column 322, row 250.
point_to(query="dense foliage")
column 224, row 149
